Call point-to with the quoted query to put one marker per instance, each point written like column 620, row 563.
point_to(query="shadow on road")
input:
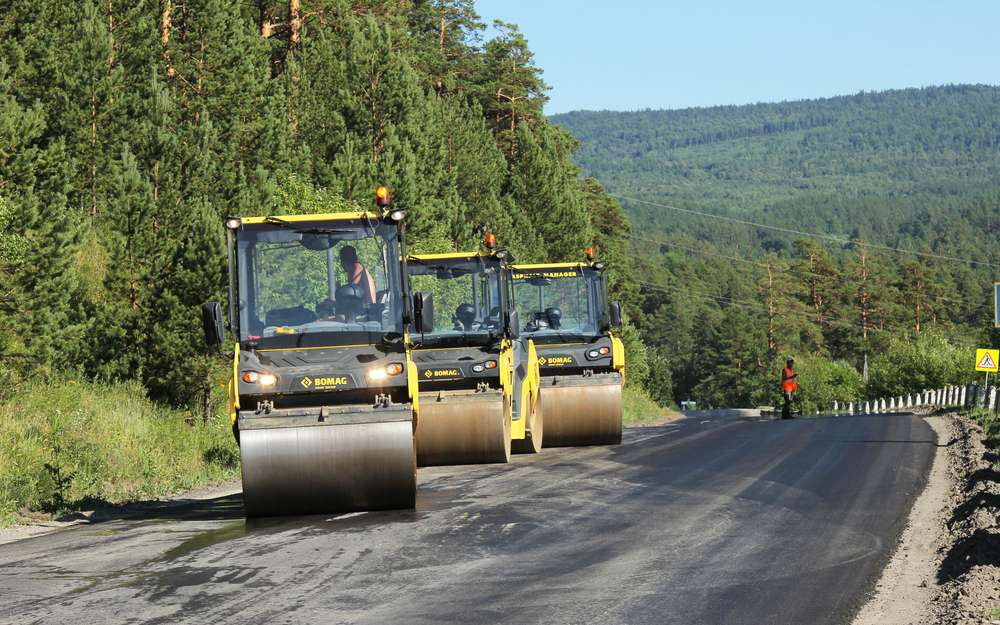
column 214, row 509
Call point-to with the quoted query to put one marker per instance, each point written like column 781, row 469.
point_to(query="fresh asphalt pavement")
column 764, row 522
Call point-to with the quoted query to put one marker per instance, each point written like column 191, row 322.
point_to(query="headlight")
column 598, row 353
column 267, row 379
column 233, row 223
column 377, row 374
column 483, row 366
column 262, row 379
column 393, row 368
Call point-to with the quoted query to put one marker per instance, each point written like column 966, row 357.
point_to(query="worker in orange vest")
column 788, row 388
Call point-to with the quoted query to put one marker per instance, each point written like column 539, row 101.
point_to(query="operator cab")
column 303, row 283
column 470, row 290
column 561, row 304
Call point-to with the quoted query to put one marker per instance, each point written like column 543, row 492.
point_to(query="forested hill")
column 938, row 139
column 915, row 170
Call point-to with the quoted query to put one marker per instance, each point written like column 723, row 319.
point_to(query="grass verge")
column 640, row 408
column 75, row 445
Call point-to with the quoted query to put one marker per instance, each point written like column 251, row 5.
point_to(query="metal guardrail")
column 967, row 396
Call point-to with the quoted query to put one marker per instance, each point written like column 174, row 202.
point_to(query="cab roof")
column 313, row 217
column 544, row 266
column 451, row 256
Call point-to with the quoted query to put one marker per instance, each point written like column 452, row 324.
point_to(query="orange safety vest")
column 788, row 383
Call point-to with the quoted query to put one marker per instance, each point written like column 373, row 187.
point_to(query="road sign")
column 987, row 360
column 996, row 305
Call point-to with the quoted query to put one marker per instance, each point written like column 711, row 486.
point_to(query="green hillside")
column 916, row 170
column 750, row 157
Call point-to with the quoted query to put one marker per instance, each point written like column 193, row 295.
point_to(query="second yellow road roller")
column 566, row 312
column 479, row 384
column 323, row 395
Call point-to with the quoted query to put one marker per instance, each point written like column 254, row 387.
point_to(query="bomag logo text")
column 442, row 373
column 555, row 361
column 546, row 274
column 324, row 382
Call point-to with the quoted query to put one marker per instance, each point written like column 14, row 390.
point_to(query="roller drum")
column 582, row 414
column 462, row 427
column 328, row 468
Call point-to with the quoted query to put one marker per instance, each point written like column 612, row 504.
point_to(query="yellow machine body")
column 323, row 396
column 566, row 314
column 471, row 391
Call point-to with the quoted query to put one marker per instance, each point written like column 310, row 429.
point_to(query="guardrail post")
column 993, row 398
column 961, row 396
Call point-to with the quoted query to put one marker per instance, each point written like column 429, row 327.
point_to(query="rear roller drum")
column 328, row 468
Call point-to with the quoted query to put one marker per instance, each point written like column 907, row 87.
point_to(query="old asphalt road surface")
column 722, row 522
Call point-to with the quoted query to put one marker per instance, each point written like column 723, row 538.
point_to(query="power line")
column 813, row 235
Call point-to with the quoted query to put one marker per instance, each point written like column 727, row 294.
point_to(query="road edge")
column 904, row 593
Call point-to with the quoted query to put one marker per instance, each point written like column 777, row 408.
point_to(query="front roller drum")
column 582, row 411
column 462, row 427
column 328, row 467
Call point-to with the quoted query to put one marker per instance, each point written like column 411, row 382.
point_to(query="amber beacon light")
column 490, row 241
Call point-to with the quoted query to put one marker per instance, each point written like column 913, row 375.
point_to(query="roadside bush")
column 636, row 361
column 911, row 364
column 823, row 381
column 72, row 444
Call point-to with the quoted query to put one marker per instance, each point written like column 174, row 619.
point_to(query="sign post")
column 987, row 360
column 996, row 305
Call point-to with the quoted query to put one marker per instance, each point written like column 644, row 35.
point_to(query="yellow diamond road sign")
column 988, row 360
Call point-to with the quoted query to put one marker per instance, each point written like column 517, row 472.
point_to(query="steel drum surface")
column 582, row 415
column 458, row 428
column 328, row 468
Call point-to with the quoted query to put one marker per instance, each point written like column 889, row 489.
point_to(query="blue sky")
column 629, row 54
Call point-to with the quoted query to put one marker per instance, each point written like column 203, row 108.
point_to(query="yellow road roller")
column 565, row 311
column 323, row 395
column 479, row 384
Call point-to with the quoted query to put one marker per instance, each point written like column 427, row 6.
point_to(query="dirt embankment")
column 968, row 576
column 946, row 569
